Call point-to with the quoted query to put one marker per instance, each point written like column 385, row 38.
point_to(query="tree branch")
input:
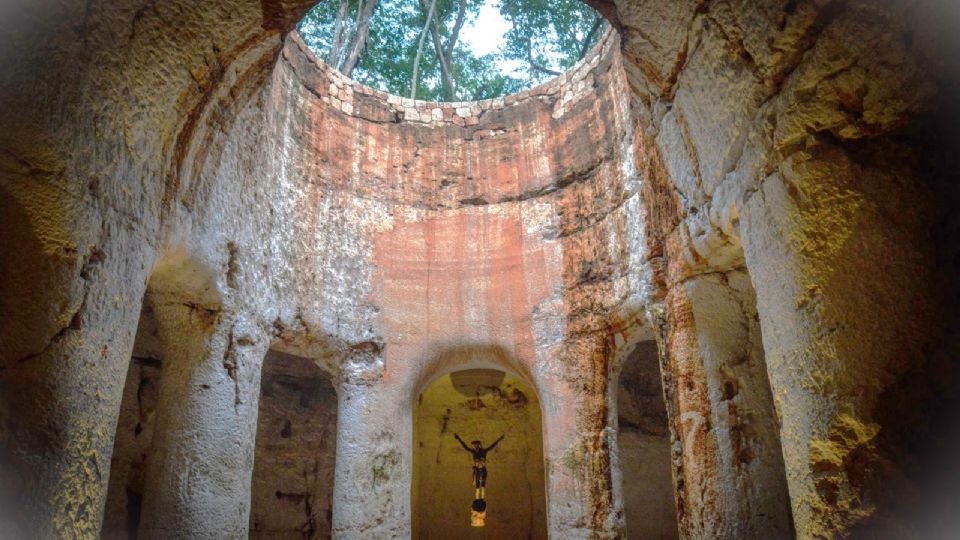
column 336, row 46
column 483, row 88
column 445, row 52
column 449, row 88
column 585, row 45
column 534, row 66
column 457, row 26
column 416, row 60
column 359, row 42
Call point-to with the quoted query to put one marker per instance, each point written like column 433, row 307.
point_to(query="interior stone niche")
column 131, row 447
column 292, row 487
column 478, row 404
column 643, row 437
column 790, row 149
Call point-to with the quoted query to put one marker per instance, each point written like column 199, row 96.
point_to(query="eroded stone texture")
column 183, row 153
column 198, row 474
column 510, row 234
column 101, row 102
column 758, row 116
column 291, row 495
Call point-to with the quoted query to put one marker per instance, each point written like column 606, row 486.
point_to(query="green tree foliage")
column 547, row 36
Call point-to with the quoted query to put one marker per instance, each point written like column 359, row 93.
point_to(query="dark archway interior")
column 131, row 447
column 644, row 439
column 292, row 487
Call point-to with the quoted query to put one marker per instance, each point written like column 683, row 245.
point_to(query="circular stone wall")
column 420, row 227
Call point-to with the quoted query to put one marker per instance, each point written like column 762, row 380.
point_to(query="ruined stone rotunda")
column 704, row 282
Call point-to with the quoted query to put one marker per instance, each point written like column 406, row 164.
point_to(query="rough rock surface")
column 774, row 148
column 759, row 185
column 382, row 247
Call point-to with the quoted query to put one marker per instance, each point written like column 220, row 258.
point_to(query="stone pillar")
column 734, row 482
column 700, row 507
column 59, row 413
column 71, row 286
column 739, row 409
column 198, row 477
column 728, row 472
column 840, row 256
column 371, row 494
column 579, row 442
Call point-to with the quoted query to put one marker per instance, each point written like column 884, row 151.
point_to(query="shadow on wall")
column 39, row 262
column 478, row 404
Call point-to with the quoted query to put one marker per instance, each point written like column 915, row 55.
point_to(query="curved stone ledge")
column 354, row 99
column 446, row 155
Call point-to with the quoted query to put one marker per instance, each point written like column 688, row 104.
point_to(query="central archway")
column 478, row 404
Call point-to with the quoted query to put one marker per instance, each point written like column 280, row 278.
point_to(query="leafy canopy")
column 381, row 43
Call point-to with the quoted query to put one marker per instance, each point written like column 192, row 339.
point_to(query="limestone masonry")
column 704, row 281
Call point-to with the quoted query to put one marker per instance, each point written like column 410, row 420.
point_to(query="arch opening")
column 134, row 433
column 449, row 360
column 291, row 491
column 478, row 404
column 643, row 439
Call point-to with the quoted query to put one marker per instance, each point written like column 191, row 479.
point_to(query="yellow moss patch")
column 840, row 465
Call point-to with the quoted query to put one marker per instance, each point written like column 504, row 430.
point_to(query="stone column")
column 840, row 257
column 578, row 441
column 728, row 472
column 199, row 473
column 728, row 469
column 59, row 413
column 732, row 469
column 700, row 507
column 371, row 494
column 69, row 305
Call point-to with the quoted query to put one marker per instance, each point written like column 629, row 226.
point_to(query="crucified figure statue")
column 479, row 454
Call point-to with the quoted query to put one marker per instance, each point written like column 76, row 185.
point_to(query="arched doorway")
column 643, row 437
column 478, row 404
column 291, row 494
column 134, row 433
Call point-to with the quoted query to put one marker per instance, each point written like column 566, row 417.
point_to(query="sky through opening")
column 460, row 50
